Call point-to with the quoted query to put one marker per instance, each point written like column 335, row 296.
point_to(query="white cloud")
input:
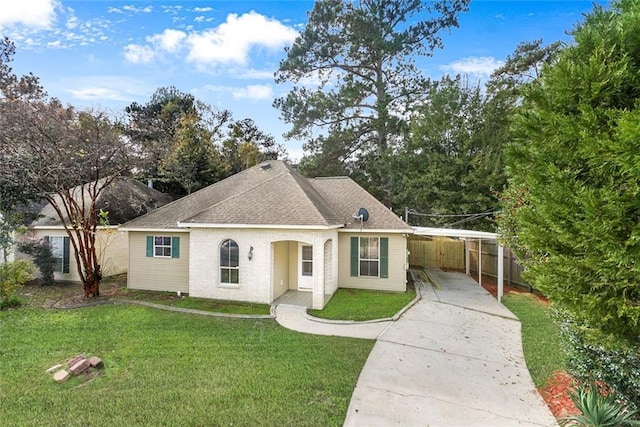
column 134, row 9
column 254, row 74
column 232, row 40
column 479, row 65
column 101, row 89
column 138, row 54
column 38, row 14
column 169, row 40
column 253, row 92
column 202, row 9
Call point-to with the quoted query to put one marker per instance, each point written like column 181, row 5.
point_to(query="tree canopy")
column 573, row 206
column 354, row 80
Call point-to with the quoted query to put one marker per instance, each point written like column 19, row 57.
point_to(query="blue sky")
column 107, row 54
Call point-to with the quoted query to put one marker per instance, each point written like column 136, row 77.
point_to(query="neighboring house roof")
column 273, row 194
column 124, row 199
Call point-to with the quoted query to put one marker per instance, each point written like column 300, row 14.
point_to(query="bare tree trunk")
column 91, row 285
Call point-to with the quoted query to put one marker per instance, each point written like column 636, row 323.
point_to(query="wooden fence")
column 445, row 252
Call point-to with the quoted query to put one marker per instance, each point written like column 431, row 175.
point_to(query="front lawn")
column 167, row 368
column 360, row 304
column 543, row 348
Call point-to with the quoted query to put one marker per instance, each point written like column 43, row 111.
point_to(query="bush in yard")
column 574, row 173
column 12, row 276
column 592, row 360
column 42, row 257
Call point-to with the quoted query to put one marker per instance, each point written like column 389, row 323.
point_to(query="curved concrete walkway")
column 453, row 359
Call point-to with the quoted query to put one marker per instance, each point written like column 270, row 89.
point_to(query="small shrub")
column 12, row 276
column 599, row 410
column 42, row 257
column 596, row 359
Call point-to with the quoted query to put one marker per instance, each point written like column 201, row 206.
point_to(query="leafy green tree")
column 574, row 175
column 246, row 145
column 194, row 161
column 361, row 55
column 451, row 162
column 156, row 128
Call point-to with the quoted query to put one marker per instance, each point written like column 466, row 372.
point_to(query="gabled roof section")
column 124, row 199
column 346, row 197
column 271, row 194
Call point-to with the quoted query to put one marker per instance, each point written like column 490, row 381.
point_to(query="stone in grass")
column 80, row 367
column 54, row 368
column 96, row 362
column 61, row 376
column 76, row 359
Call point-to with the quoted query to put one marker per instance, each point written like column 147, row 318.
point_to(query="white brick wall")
column 255, row 275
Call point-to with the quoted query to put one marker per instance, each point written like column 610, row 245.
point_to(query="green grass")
column 166, row 368
column 360, row 305
column 543, row 348
column 206, row 304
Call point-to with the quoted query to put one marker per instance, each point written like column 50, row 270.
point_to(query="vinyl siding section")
column 110, row 245
column 157, row 274
column 396, row 267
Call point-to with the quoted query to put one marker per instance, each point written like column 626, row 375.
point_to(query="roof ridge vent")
column 265, row 166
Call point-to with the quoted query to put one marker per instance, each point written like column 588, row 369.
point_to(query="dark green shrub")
column 42, row 256
column 594, row 358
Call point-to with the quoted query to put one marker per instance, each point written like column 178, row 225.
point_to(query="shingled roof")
column 124, row 199
column 272, row 194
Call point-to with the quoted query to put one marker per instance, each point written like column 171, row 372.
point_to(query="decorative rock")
column 80, row 367
column 54, row 368
column 95, row 361
column 61, row 376
column 76, row 359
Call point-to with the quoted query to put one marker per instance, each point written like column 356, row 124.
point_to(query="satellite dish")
column 363, row 214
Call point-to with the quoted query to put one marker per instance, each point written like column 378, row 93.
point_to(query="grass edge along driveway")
column 165, row 368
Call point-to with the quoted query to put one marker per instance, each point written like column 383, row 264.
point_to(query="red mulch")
column 556, row 392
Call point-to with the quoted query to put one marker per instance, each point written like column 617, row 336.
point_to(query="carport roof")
column 451, row 232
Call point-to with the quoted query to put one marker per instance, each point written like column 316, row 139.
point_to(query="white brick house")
column 266, row 230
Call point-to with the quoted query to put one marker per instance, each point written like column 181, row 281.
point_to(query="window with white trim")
column 162, row 247
column 57, row 250
column 229, row 262
column 369, row 256
column 307, row 260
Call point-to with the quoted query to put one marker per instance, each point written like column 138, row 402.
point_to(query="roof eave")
column 184, row 225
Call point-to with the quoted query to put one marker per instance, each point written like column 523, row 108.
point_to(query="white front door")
column 305, row 267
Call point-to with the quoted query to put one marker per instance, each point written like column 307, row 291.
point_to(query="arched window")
column 229, row 261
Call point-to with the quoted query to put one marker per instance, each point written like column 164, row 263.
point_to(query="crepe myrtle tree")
column 64, row 156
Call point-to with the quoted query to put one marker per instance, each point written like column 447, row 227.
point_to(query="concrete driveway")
column 454, row 359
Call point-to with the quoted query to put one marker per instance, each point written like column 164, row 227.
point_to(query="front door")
column 305, row 267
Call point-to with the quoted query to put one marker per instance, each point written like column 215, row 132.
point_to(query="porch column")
column 318, row 274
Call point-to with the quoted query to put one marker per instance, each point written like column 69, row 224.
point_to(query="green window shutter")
column 150, row 246
column 65, row 254
column 355, row 249
column 175, row 247
column 384, row 257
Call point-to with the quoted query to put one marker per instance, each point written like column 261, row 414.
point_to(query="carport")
column 468, row 235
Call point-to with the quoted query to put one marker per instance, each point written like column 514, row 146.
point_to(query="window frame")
column 59, row 268
column 226, row 267
column 369, row 260
column 163, row 246
column 306, row 261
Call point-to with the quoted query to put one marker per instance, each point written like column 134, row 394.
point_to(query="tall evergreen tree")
column 573, row 206
column 362, row 57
